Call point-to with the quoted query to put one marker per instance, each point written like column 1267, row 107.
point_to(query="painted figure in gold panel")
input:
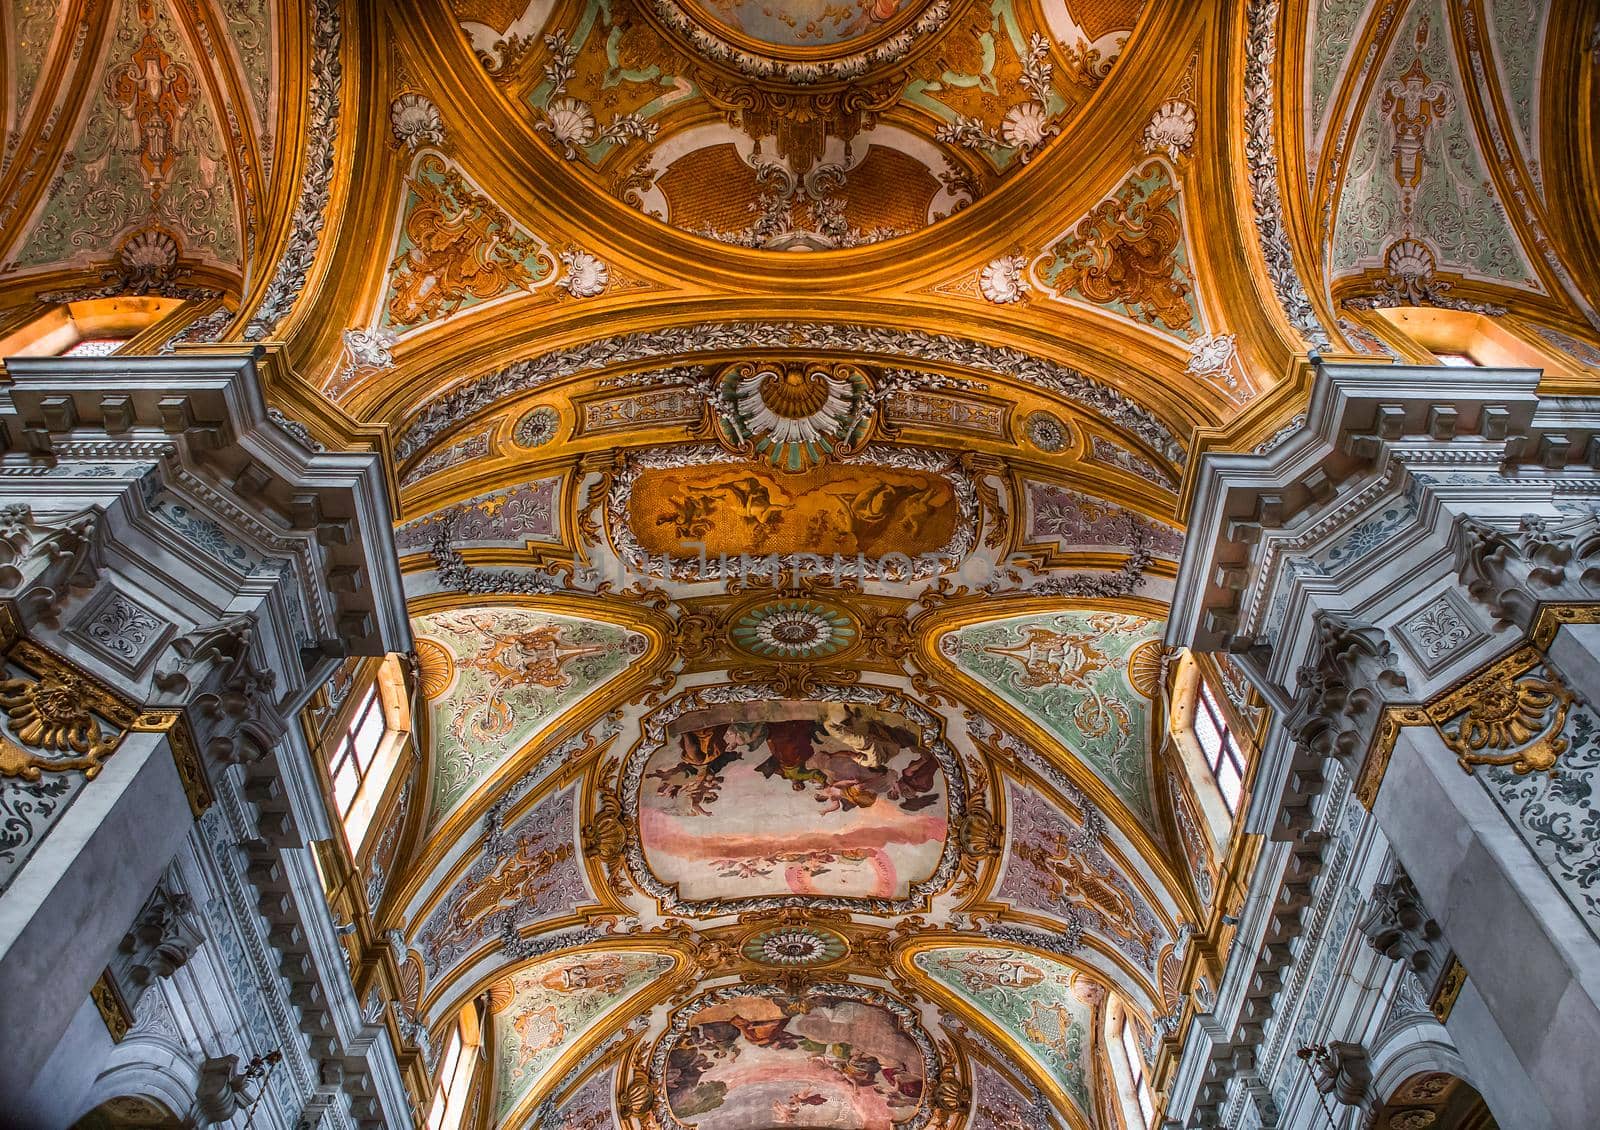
column 730, row 509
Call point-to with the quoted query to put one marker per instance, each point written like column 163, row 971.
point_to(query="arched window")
column 92, row 328
column 1215, row 756
column 1220, row 747
column 362, row 756
column 1128, row 1068
column 456, row 1069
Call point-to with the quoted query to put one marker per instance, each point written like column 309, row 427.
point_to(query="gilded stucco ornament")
column 794, row 946
column 51, row 714
column 586, row 275
column 1001, row 281
column 1509, row 715
column 311, row 208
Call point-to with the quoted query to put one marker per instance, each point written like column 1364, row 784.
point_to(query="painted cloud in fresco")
column 781, row 798
column 1087, row 677
column 751, row 1059
column 496, row 677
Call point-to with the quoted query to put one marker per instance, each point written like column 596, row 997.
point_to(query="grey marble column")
column 68, row 907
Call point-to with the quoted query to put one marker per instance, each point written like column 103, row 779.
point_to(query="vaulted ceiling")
column 918, row 306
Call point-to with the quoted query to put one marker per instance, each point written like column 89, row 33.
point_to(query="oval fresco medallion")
column 750, row 805
column 838, row 1056
column 794, row 946
column 801, row 24
column 793, row 629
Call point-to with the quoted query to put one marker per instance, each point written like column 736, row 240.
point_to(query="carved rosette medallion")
column 794, row 946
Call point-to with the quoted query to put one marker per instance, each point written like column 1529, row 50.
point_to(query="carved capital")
column 217, row 673
column 42, row 562
column 1340, row 1070
column 1397, row 925
column 1343, row 688
column 1511, row 572
column 163, row 937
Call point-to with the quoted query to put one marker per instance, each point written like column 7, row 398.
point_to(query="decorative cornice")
column 477, row 394
column 311, row 210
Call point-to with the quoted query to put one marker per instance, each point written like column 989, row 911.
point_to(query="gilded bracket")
column 1501, row 714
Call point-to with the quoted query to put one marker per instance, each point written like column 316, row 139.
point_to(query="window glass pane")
column 345, row 783
column 369, row 734
column 1146, row 1107
column 1207, row 733
column 1130, row 1046
column 96, row 347
column 1457, row 360
column 1230, row 784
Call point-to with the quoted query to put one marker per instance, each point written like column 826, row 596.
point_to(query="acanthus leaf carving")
column 41, row 562
column 1343, row 688
column 1511, row 571
column 1397, row 925
column 218, row 674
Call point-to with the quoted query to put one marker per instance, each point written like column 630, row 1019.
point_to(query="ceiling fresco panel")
column 153, row 179
column 504, row 674
column 533, row 874
column 890, row 510
column 1332, row 29
column 1130, row 257
column 1085, row 677
column 455, row 249
column 592, row 1106
column 545, row 1011
column 1056, row 866
column 1047, row 1007
column 799, row 126
column 1519, row 30
column 511, row 516
column 837, row 1056
column 780, row 798
column 740, row 801
column 30, row 33
column 1417, row 197
column 999, row 1103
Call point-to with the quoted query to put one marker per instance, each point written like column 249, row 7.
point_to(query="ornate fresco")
column 776, row 798
column 1086, row 677
column 798, row 127
column 838, row 1056
column 1048, row 1007
column 543, row 1011
column 496, row 676
column 156, row 179
column 790, row 408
